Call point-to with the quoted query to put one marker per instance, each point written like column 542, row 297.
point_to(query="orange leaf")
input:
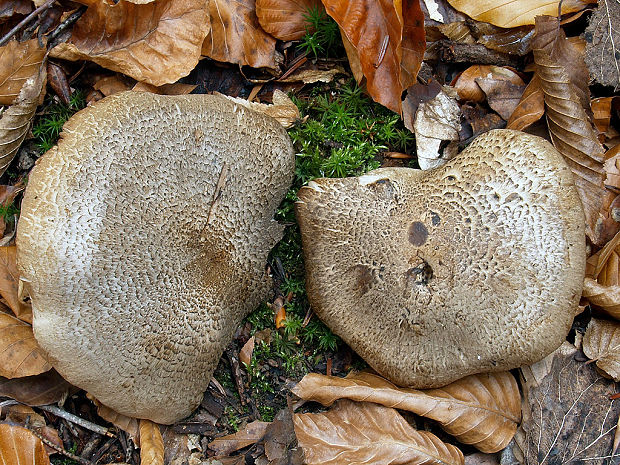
column 151, row 444
column 285, row 19
column 531, row 107
column 252, row 433
column 20, row 355
column 280, row 316
column 18, row 62
column 9, row 283
column 157, row 42
column 366, row 433
column 236, row 35
column 18, row 446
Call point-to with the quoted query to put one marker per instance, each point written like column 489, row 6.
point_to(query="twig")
column 72, row 18
column 89, row 448
column 25, row 21
column 77, row 420
column 59, row 449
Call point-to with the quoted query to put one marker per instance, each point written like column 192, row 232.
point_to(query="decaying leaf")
column 157, row 42
column 601, row 109
column 20, row 355
column 43, row 389
column 511, row 13
column 502, row 95
column 603, row 43
column 177, row 88
column 602, row 343
column 9, row 284
column 280, row 442
column 282, row 109
column 18, row 446
column 151, row 444
column 236, row 36
column 563, row 79
column 245, row 354
column 18, row 62
column 568, row 417
column 530, row 108
column 388, row 39
column 253, row 432
column 286, row 19
column 604, row 297
column 9, row 8
column 467, row 83
column 362, row 432
column 16, row 119
column 130, row 425
column 483, row 410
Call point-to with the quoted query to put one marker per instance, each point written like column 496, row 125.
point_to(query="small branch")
column 25, row 21
column 62, row 27
column 77, row 420
column 59, row 449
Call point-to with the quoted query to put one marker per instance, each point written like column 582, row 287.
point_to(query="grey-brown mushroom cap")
column 430, row 276
column 139, row 265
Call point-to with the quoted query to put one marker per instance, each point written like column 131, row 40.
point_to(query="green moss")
column 52, row 117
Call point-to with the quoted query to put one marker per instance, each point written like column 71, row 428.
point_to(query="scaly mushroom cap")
column 143, row 240
column 430, row 276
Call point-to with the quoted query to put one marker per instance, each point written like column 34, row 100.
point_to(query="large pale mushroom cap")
column 434, row 275
column 143, row 241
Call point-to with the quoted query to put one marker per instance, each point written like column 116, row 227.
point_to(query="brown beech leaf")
column 43, row 389
column 130, row 425
column 18, row 62
column 467, row 83
column 388, row 38
column 16, row 119
column 563, row 79
column 236, row 36
column 568, row 417
column 9, row 8
column 20, row 355
column 285, row 19
column 602, row 343
column 601, row 108
column 511, row 13
column 151, row 444
column 362, row 432
column 19, row 446
column 252, row 433
column 245, row 354
column 157, row 42
column 503, row 95
column 483, row 410
column 282, row 109
column 530, row 108
column 606, row 298
column 9, row 283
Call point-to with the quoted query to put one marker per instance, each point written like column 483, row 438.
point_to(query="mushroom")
column 143, row 241
column 431, row 276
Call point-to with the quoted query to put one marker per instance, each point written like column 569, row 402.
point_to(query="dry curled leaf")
column 157, row 42
column 9, row 284
column 151, row 444
column 20, row 355
column 604, row 297
column 19, row 446
column 483, row 410
column 388, row 39
column 9, row 8
column 16, row 119
column 563, row 79
column 236, row 35
column 251, row 433
column 568, row 417
column 511, row 13
column 18, row 62
column 286, row 19
column 282, row 109
column 130, row 425
column 43, row 389
column 602, row 343
column 362, row 432
column 530, row 108
column 467, row 86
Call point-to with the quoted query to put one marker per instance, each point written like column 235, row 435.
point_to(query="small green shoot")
column 232, row 418
column 322, row 37
column 48, row 125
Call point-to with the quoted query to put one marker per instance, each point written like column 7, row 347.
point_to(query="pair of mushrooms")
column 144, row 235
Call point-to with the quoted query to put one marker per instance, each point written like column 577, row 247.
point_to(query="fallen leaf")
column 9, row 8
column 502, row 95
column 530, row 108
column 236, row 36
column 310, row 73
column 601, row 343
column 601, row 108
column 18, row 62
column 602, row 42
column 568, row 417
column 252, row 433
column 514, row 41
column 483, row 410
column 20, row 355
column 178, row 88
column 110, row 85
column 130, row 425
column 9, row 283
column 157, row 42
column 467, row 87
column 19, row 446
column 286, row 19
column 151, row 444
column 606, row 298
column 282, row 109
column 59, row 82
column 512, row 13
column 280, row 441
column 245, row 354
column 362, row 432
column 436, row 121
column 388, row 38
column 16, row 119
column 46, row 388
column 562, row 75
